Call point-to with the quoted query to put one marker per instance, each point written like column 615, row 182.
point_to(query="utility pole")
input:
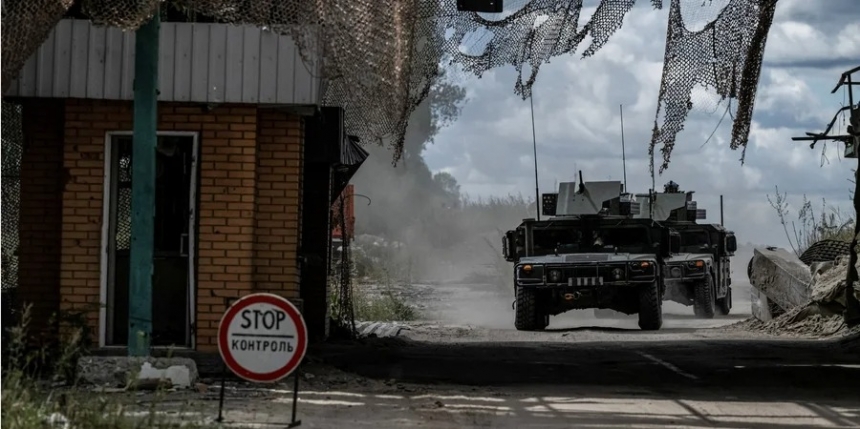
column 144, row 142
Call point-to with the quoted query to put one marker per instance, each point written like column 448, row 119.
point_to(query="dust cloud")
column 421, row 235
column 441, row 250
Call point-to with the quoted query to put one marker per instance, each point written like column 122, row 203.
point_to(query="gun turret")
column 590, row 198
column 673, row 204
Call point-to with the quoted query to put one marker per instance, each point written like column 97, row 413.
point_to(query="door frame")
column 107, row 203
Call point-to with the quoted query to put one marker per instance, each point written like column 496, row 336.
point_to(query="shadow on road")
column 775, row 369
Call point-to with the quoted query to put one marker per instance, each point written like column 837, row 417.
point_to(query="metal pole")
column 623, row 152
column 721, row 211
column 534, row 146
column 143, row 186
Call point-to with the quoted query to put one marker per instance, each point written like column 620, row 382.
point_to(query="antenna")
column 721, row 211
column 534, row 146
column 623, row 155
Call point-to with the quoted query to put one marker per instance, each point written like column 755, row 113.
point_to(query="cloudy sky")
column 489, row 148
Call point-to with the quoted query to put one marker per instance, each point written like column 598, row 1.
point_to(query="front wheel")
column 724, row 304
column 528, row 315
column 650, row 307
column 703, row 299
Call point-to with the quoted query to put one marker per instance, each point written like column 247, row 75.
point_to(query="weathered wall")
column 249, row 202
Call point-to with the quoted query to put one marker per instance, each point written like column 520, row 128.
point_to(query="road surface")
column 470, row 369
column 587, row 372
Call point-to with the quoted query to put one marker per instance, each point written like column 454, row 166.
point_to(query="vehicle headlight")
column 675, row 272
column 618, row 274
column 696, row 264
column 554, row 276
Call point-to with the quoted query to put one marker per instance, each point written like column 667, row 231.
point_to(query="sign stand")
column 262, row 338
column 293, row 422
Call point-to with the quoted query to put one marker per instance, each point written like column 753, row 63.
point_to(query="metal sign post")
column 262, row 338
column 143, row 186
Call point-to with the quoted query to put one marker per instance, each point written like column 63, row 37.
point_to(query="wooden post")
column 143, row 186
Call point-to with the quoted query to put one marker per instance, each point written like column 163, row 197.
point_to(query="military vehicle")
column 592, row 252
column 699, row 275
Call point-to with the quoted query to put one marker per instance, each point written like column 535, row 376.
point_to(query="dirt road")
column 471, row 369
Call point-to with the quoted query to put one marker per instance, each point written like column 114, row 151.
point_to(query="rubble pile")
column 790, row 297
column 798, row 322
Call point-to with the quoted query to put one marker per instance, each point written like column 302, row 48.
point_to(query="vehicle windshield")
column 692, row 241
column 580, row 240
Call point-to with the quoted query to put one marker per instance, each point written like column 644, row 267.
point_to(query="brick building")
column 247, row 163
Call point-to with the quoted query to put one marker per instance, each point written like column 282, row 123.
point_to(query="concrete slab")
column 781, row 276
column 123, row 371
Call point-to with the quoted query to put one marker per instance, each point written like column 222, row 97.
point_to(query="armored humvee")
column 592, row 252
column 699, row 275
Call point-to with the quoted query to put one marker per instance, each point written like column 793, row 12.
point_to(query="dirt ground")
column 465, row 367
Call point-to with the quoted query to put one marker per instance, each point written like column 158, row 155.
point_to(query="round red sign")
column 262, row 337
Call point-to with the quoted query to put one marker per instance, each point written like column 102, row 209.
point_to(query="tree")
column 449, row 187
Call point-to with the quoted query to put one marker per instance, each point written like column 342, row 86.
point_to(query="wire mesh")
column 13, row 145
column 344, row 304
column 380, row 57
column 13, row 139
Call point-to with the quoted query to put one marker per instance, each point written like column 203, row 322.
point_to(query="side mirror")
column 509, row 243
column 731, row 243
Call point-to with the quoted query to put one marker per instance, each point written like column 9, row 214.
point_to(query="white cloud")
column 489, row 149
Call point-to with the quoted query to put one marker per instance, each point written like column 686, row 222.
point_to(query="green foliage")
column 810, row 228
column 383, row 305
column 30, row 401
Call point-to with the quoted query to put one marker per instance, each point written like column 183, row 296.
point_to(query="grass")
column 40, row 389
column 811, row 227
column 382, row 305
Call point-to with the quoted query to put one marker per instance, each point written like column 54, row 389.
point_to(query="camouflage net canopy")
column 380, row 57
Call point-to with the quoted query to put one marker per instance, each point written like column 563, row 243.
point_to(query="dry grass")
column 810, row 227
column 36, row 396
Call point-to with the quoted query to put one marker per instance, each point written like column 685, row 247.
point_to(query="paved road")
column 684, row 383
column 587, row 372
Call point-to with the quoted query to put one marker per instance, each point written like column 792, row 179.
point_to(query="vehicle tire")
column 703, row 299
column 724, row 304
column 526, row 315
column 650, row 307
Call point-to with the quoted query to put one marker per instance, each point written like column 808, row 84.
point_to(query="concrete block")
column 760, row 305
column 122, row 371
column 781, row 276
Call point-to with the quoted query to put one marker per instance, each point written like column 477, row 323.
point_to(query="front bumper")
column 586, row 275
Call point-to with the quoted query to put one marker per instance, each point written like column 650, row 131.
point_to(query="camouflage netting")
column 381, row 56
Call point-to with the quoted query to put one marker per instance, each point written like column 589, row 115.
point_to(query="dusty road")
column 582, row 372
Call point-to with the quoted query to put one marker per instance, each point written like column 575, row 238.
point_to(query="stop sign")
column 262, row 337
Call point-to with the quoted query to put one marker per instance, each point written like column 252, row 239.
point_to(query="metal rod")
column 721, row 211
column 534, row 147
column 221, row 395
column 145, row 140
column 293, row 422
column 623, row 154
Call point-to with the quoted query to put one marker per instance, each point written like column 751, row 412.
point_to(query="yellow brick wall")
column 249, row 201
column 279, row 168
